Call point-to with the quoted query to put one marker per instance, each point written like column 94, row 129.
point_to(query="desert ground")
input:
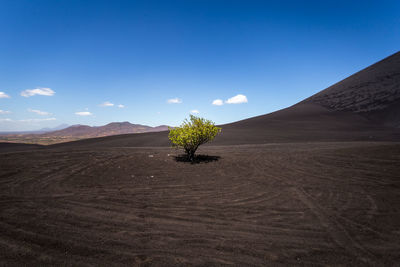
column 304, row 203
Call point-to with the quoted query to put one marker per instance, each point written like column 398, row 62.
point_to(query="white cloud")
column 121, row 106
column 4, row 95
column 218, row 102
column 174, row 101
column 237, row 99
column 38, row 91
column 4, row 112
column 107, row 104
column 194, row 111
column 7, row 119
column 38, row 120
column 83, row 113
column 43, row 113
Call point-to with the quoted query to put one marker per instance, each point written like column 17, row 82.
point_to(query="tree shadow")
column 197, row 159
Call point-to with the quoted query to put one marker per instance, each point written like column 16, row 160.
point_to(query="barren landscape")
column 281, row 204
column 313, row 184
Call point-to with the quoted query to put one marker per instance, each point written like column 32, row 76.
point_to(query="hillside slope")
column 373, row 93
column 114, row 128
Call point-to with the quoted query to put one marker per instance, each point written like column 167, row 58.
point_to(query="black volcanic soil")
column 373, row 92
column 334, row 203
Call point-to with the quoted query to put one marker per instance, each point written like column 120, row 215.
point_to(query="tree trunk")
column 191, row 156
column 190, row 153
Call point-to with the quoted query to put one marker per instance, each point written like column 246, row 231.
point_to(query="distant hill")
column 59, row 127
column 114, row 128
column 77, row 132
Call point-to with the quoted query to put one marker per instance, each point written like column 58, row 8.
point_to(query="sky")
column 156, row 62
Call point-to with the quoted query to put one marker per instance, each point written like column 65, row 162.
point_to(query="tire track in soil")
column 127, row 208
column 328, row 219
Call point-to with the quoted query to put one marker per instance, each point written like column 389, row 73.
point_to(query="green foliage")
column 193, row 133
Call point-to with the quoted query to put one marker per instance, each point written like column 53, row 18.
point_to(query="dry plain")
column 335, row 203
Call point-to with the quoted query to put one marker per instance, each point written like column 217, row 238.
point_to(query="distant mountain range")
column 65, row 133
column 59, row 127
column 114, row 128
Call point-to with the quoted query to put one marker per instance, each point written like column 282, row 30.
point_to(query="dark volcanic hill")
column 364, row 106
column 373, row 93
column 114, row 128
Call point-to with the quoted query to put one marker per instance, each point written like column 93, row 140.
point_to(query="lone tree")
column 193, row 133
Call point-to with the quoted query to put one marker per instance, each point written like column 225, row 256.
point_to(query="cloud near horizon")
column 174, row 101
column 83, row 113
column 37, row 91
column 218, row 102
column 194, row 111
column 106, row 104
column 4, row 95
column 121, row 106
column 4, row 112
column 237, row 99
column 42, row 113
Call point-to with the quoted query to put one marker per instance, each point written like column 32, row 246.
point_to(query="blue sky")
column 60, row 60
